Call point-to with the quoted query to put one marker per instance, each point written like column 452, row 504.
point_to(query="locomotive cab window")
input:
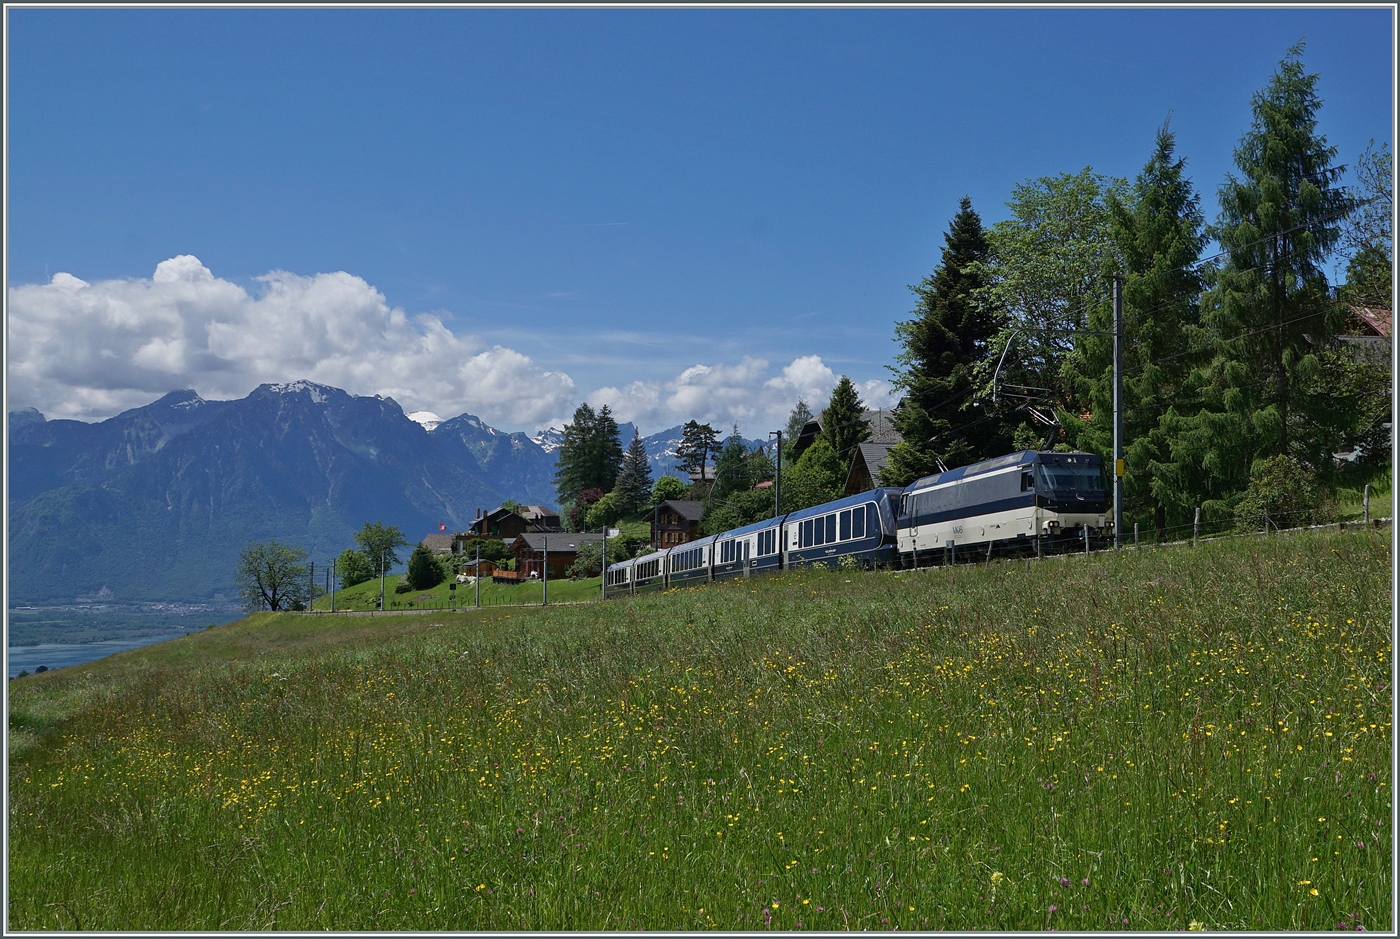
column 1071, row 478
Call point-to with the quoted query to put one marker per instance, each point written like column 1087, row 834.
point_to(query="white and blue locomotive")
column 1022, row 503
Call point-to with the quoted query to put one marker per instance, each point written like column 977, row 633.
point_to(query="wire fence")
column 537, row 593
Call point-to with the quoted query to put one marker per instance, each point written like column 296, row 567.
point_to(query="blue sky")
column 686, row 213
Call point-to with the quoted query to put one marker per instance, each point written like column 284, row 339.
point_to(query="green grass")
column 365, row 597
column 1132, row 741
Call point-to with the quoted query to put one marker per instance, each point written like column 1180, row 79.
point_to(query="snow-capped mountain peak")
column 428, row 419
column 549, row 439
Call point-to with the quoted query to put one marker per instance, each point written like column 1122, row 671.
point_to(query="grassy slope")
column 363, row 597
column 1156, row 737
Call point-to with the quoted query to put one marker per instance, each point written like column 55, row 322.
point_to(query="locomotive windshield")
column 1071, row 478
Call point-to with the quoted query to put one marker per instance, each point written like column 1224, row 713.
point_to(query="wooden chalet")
column 506, row 524
column 881, row 430
column 675, row 521
column 866, row 463
column 530, row 549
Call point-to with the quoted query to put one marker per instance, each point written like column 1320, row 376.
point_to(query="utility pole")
column 605, row 561
column 311, row 586
column 332, row 585
column 1117, row 410
column 382, row 572
column 477, row 578
column 778, row 477
column 545, row 579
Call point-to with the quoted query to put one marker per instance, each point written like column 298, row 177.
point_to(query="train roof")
column 752, row 527
column 859, row 498
column 1019, row 458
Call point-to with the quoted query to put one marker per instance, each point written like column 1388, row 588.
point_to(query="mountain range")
column 155, row 503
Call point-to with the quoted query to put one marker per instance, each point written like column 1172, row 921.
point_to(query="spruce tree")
column 949, row 334
column 1159, row 232
column 572, row 472
column 590, row 455
column 609, row 450
column 842, row 424
column 634, row 481
column 1269, row 304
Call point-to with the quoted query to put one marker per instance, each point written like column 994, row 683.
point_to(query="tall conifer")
column 1269, row 305
column 842, row 424
column 634, row 481
column 1159, row 232
column 948, row 335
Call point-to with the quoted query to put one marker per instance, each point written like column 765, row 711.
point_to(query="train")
column 1026, row 503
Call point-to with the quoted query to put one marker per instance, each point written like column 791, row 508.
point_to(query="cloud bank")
column 88, row 351
column 742, row 394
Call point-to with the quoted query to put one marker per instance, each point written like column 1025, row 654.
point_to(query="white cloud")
column 723, row 395
column 88, row 351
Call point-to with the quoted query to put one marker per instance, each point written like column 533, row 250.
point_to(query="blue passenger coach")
column 749, row 550
column 689, row 563
column 861, row 527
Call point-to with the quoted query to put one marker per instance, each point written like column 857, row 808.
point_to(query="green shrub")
column 1284, row 494
column 423, row 569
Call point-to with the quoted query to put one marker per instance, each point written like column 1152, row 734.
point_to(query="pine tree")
column 634, row 481
column 698, row 441
column 1269, row 303
column 940, row 417
column 1159, row 232
column 842, row 424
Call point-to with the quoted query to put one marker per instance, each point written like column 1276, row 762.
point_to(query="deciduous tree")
column 1050, row 262
column 272, row 576
column 380, row 543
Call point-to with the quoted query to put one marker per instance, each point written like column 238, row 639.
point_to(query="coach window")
column 831, row 528
column 858, row 522
column 845, row 530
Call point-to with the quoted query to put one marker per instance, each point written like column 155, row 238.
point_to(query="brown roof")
column 439, row 542
column 1376, row 320
column 692, row 510
column 881, row 430
column 563, row 542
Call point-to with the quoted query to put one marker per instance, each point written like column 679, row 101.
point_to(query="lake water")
column 61, row 654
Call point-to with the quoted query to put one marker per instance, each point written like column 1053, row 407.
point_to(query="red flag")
column 442, row 527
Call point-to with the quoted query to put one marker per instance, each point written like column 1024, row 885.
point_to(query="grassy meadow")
column 365, row 597
column 1149, row 740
